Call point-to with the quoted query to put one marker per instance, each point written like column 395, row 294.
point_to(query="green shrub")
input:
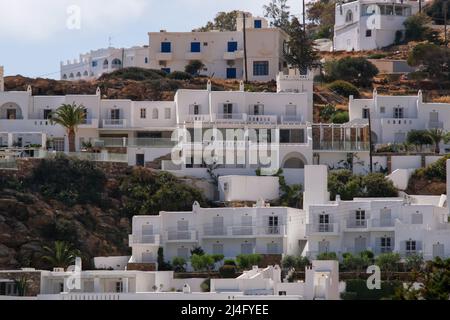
column 229, row 262
column 289, row 262
column 357, row 70
column 133, row 73
column 206, row 285
column 246, row 261
column 179, row 75
column 69, row 180
column 227, row 272
column 438, row 169
column 344, row 88
column 327, row 256
column 376, row 56
column 340, row 117
column 179, row 264
column 202, row 263
column 194, row 67
column 217, row 257
column 418, row 75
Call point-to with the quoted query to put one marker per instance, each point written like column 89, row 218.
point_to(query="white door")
column 360, row 245
column 438, row 250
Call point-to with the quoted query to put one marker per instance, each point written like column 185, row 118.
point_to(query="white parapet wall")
column 248, row 188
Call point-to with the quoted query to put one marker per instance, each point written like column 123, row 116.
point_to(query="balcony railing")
column 356, row 224
column 135, row 142
column 341, row 146
column 292, row 119
column 176, row 235
column 381, row 223
column 230, row 117
column 322, row 228
column 239, row 54
column 435, row 124
column 198, row 117
column 114, row 123
column 262, row 119
column 233, row 231
column 154, row 239
column 242, row 231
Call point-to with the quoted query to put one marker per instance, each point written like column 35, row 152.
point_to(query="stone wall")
column 142, row 266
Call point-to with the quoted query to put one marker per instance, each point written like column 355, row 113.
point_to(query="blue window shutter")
column 166, row 47
column 166, row 70
column 232, row 46
column 195, row 46
column 258, row 24
column 231, row 73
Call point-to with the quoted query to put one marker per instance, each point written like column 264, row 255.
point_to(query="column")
column 97, row 285
column 10, row 139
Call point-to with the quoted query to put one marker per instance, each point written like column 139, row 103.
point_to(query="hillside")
column 87, row 205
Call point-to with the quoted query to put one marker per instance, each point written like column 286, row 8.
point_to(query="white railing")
column 233, row 231
column 356, row 224
column 114, row 123
column 198, row 118
column 153, row 239
column 135, row 142
column 322, row 228
column 292, row 119
column 230, row 117
column 262, row 119
column 381, row 223
column 176, row 235
column 435, row 124
column 100, row 157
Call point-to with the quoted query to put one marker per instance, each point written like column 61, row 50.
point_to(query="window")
column 411, row 246
column 258, row 24
column 166, row 70
column 273, row 227
column 94, row 64
column 217, row 248
column 256, row 109
column 155, row 114
column 146, row 60
column 195, row 46
column 166, row 47
column 232, row 46
column 385, row 244
column 231, row 73
column 416, row 218
column 205, row 44
column 143, row 113
column 227, row 108
column 261, row 68
column 194, row 109
column 360, row 218
column 368, row 33
column 105, row 64
column 365, row 113
column 349, row 16
column 382, row 109
column 119, row 286
column 282, row 293
column 291, row 111
column 65, row 76
column 167, row 113
column 115, row 114
column 398, row 113
column 324, row 222
column 47, row 114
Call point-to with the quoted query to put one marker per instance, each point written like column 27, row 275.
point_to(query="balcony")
column 89, row 123
column 142, row 239
column 381, row 224
column 262, row 119
column 164, row 56
column 322, row 229
column 230, row 118
column 381, row 250
column 344, row 146
column 292, row 120
column 134, row 142
column 197, row 118
column 356, row 225
column 114, row 123
column 435, row 124
column 181, row 236
column 244, row 231
column 239, row 54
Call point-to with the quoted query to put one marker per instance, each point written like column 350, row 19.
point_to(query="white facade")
column 95, row 63
column 392, row 117
column 227, row 231
column 370, row 24
column 407, row 225
column 248, row 188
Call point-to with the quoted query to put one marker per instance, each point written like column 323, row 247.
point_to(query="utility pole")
column 245, row 47
column 420, row 6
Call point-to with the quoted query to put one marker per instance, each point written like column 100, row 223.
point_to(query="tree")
column 198, row 251
column 289, row 262
column 417, row 29
column 435, row 10
column 291, row 195
column 326, row 112
column 179, row 264
column 431, row 58
column 419, row 138
column 414, row 262
column 388, row 262
column 162, row 264
column 194, row 67
column 437, row 136
column 202, row 263
column 299, row 51
column 22, row 285
column 356, row 70
column 327, row 256
column 246, row 261
column 278, row 13
column 322, row 14
column 376, row 185
column 224, row 21
column 61, row 255
column 70, row 116
column 355, row 262
column 436, row 280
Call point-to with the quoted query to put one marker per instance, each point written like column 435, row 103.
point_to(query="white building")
column 407, row 225
column 222, row 53
column 227, row 231
column 370, row 24
column 95, row 63
column 392, row 117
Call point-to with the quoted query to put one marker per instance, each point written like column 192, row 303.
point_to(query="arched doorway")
column 10, row 111
column 294, row 160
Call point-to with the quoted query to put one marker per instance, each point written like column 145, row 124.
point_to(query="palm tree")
column 437, row 135
column 70, row 116
column 62, row 255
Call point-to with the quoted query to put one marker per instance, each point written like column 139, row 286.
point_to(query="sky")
column 35, row 36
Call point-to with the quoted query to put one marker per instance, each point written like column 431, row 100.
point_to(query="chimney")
column 208, row 86
column 316, row 185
